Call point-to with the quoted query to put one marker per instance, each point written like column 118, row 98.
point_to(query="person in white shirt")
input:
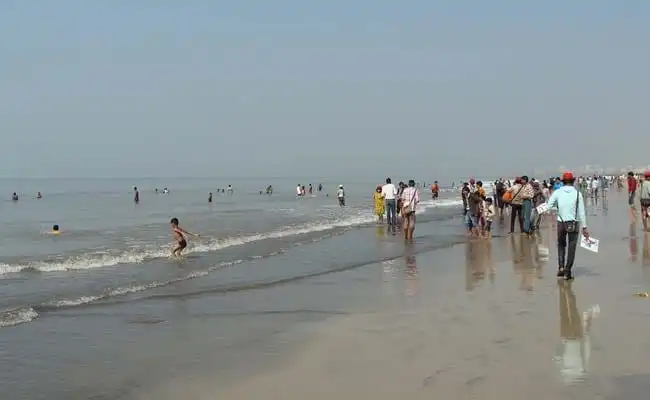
column 595, row 185
column 340, row 193
column 389, row 191
column 410, row 199
column 299, row 190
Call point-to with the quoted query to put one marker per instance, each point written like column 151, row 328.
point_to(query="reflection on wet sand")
column 411, row 276
column 478, row 263
column 523, row 262
column 633, row 243
column 575, row 347
column 381, row 230
column 646, row 250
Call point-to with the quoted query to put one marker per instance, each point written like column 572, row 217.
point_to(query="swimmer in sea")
column 179, row 235
column 55, row 230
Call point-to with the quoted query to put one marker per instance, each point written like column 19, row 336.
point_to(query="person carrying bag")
column 570, row 207
column 515, row 205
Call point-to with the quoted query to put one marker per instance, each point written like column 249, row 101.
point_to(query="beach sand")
column 474, row 321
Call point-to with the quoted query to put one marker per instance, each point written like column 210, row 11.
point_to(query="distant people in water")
column 435, row 190
column 230, row 190
column 320, row 187
column 39, row 195
column 210, row 197
column 178, row 234
column 269, row 190
column 136, row 195
column 55, row 230
column 14, row 197
column 300, row 190
column 311, row 190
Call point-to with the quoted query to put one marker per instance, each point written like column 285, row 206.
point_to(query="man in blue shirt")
column 570, row 208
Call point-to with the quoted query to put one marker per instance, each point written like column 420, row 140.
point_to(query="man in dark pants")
column 570, row 207
column 516, row 205
column 389, row 192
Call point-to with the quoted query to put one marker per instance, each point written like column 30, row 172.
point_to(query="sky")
column 166, row 88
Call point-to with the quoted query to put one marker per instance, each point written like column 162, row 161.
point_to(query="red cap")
column 647, row 174
column 567, row 176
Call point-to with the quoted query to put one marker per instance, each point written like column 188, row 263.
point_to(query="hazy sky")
column 293, row 87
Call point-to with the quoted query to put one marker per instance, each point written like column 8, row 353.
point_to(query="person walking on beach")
column 516, row 205
column 527, row 194
column 178, row 234
column 500, row 188
column 644, row 196
column 537, row 200
column 410, row 199
column 389, row 191
column 488, row 214
column 570, row 207
column 631, row 194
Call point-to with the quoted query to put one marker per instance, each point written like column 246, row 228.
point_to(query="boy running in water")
column 178, row 234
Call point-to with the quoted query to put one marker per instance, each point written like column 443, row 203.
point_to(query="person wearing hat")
column 644, row 196
column 340, row 193
column 570, row 209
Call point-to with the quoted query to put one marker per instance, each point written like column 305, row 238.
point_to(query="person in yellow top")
column 378, row 198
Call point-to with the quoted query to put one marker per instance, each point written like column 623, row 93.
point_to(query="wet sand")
column 476, row 320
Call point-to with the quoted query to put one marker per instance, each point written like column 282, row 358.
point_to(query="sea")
column 61, row 295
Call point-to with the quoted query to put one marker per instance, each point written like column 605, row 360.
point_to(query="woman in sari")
column 378, row 199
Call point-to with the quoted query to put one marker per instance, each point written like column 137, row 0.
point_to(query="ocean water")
column 110, row 247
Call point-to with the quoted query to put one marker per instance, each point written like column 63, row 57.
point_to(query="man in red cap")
column 570, row 208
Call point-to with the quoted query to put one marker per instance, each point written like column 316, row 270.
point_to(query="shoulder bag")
column 572, row 226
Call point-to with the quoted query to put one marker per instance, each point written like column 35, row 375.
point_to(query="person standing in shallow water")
column 378, row 199
column 570, row 207
column 410, row 198
column 389, row 193
column 178, row 234
column 136, row 195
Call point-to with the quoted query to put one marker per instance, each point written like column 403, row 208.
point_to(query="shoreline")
column 501, row 335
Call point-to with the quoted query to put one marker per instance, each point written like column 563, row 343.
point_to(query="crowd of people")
column 522, row 198
column 394, row 201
